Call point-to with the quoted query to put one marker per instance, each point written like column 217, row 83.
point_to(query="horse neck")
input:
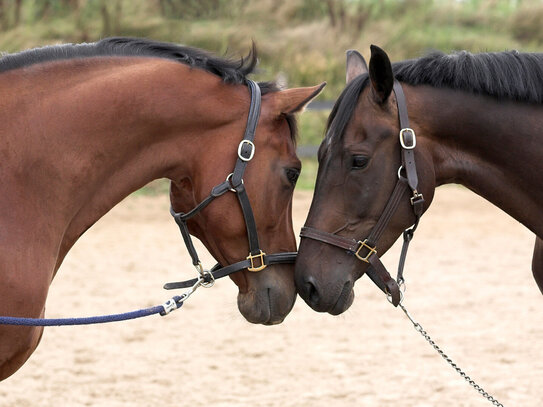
column 85, row 134
column 492, row 147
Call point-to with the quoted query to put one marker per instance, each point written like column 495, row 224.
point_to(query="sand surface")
column 469, row 284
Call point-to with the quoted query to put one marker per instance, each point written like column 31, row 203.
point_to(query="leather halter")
column 257, row 260
column 366, row 249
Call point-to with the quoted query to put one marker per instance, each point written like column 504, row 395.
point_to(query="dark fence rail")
column 307, row 151
column 321, row 105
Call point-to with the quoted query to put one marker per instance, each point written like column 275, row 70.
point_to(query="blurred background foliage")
column 302, row 41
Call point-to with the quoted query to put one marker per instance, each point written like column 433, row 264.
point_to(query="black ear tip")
column 376, row 50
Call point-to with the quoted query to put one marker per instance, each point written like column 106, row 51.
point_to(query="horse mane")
column 231, row 71
column 503, row 75
column 509, row 75
column 344, row 107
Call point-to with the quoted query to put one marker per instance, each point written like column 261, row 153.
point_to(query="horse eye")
column 359, row 162
column 292, row 175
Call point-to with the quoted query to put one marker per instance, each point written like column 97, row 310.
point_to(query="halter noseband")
column 257, row 260
column 366, row 249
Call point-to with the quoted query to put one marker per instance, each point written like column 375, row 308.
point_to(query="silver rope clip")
column 169, row 306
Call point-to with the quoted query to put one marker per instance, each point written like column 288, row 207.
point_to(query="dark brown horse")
column 478, row 121
column 85, row 125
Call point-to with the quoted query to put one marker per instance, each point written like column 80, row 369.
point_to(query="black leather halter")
column 366, row 249
column 257, row 260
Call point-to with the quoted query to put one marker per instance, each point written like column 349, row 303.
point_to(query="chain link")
column 418, row 327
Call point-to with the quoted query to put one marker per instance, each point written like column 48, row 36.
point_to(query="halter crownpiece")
column 366, row 249
column 257, row 260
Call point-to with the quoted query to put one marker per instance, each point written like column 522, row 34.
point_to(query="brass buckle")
column 363, row 244
column 256, row 256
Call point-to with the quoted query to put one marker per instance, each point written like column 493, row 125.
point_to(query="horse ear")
column 296, row 99
column 356, row 65
column 381, row 76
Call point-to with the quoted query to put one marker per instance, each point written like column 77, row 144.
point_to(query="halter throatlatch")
column 366, row 249
column 257, row 260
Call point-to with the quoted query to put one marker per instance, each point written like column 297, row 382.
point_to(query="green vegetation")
column 309, row 173
column 302, row 40
column 305, row 40
column 311, row 126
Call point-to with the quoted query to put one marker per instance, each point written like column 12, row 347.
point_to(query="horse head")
column 266, row 295
column 359, row 166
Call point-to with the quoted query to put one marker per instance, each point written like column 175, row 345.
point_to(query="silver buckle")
column 402, row 139
column 252, row 150
column 417, row 196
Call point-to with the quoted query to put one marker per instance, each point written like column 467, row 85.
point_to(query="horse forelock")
column 343, row 109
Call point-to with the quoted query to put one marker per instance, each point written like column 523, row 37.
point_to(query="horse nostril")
column 312, row 292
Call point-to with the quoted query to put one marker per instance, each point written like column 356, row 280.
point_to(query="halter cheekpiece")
column 257, row 260
column 366, row 249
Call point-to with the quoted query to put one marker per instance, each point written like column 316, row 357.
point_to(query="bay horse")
column 85, row 125
column 475, row 120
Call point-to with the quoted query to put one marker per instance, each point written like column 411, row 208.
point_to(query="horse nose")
column 310, row 292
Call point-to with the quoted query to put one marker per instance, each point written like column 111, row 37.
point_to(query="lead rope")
column 164, row 309
column 408, row 164
column 418, row 327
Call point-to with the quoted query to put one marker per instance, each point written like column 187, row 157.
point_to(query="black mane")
column 231, row 71
column 504, row 75
column 507, row 75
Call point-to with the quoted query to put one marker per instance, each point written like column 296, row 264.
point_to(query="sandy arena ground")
column 469, row 284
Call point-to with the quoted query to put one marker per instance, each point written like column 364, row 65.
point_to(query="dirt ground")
column 469, row 284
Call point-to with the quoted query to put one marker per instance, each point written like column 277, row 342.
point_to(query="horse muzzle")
column 269, row 297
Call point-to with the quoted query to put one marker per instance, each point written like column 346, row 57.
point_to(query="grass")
column 311, row 127
column 308, row 175
column 296, row 39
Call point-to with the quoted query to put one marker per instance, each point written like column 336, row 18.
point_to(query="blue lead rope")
column 163, row 309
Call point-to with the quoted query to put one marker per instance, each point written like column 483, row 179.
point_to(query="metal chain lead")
column 418, row 327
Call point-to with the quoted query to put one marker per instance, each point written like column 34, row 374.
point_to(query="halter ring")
column 229, row 179
column 389, row 296
column 400, row 172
